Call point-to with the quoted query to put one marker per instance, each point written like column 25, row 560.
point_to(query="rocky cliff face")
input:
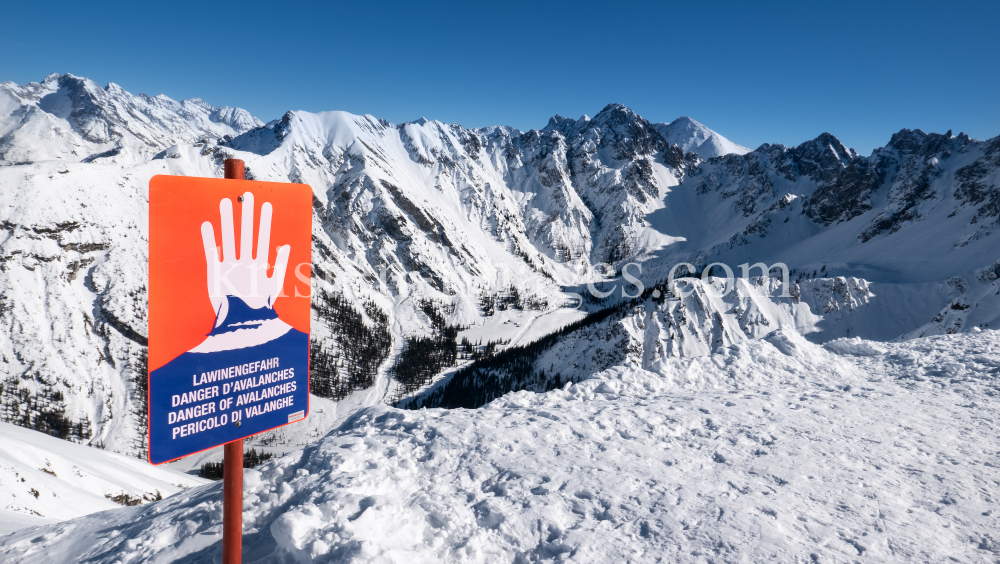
column 918, row 181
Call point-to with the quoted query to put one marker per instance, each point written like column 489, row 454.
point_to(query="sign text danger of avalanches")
column 229, row 283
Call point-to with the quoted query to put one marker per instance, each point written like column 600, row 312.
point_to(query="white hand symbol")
column 245, row 278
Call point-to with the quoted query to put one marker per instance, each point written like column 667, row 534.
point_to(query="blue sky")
column 779, row 72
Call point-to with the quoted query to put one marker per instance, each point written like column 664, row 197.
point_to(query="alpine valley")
column 461, row 268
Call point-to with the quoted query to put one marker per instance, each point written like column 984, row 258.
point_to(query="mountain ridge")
column 90, row 122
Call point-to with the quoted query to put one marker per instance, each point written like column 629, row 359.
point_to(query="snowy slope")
column 52, row 479
column 694, row 137
column 773, row 450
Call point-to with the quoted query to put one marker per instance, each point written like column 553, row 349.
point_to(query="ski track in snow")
column 772, row 450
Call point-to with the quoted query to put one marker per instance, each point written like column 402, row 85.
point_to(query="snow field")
column 771, row 450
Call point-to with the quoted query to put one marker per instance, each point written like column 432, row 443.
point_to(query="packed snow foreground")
column 774, row 449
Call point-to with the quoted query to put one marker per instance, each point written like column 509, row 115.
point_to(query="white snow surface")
column 771, row 450
column 47, row 478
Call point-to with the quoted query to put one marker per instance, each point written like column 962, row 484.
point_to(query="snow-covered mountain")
column 693, row 137
column 431, row 229
column 73, row 119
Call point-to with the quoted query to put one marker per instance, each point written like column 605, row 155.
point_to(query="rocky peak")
column 979, row 182
column 266, row 138
column 618, row 117
column 823, row 158
column 284, row 126
column 826, row 143
column 907, row 141
column 624, row 132
column 561, row 124
column 237, row 118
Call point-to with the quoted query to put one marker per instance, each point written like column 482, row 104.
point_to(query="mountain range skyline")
column 688, row 131
column 516, row 281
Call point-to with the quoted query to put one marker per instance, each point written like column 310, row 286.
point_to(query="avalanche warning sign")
column 229, row 283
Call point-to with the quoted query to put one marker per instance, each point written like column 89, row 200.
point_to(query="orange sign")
column 229, row 287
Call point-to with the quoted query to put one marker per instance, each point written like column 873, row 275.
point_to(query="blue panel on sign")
column 213, row 395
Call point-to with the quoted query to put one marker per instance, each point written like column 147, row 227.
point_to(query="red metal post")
column 232, row 503
column 235, row 169
column 232, row 469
